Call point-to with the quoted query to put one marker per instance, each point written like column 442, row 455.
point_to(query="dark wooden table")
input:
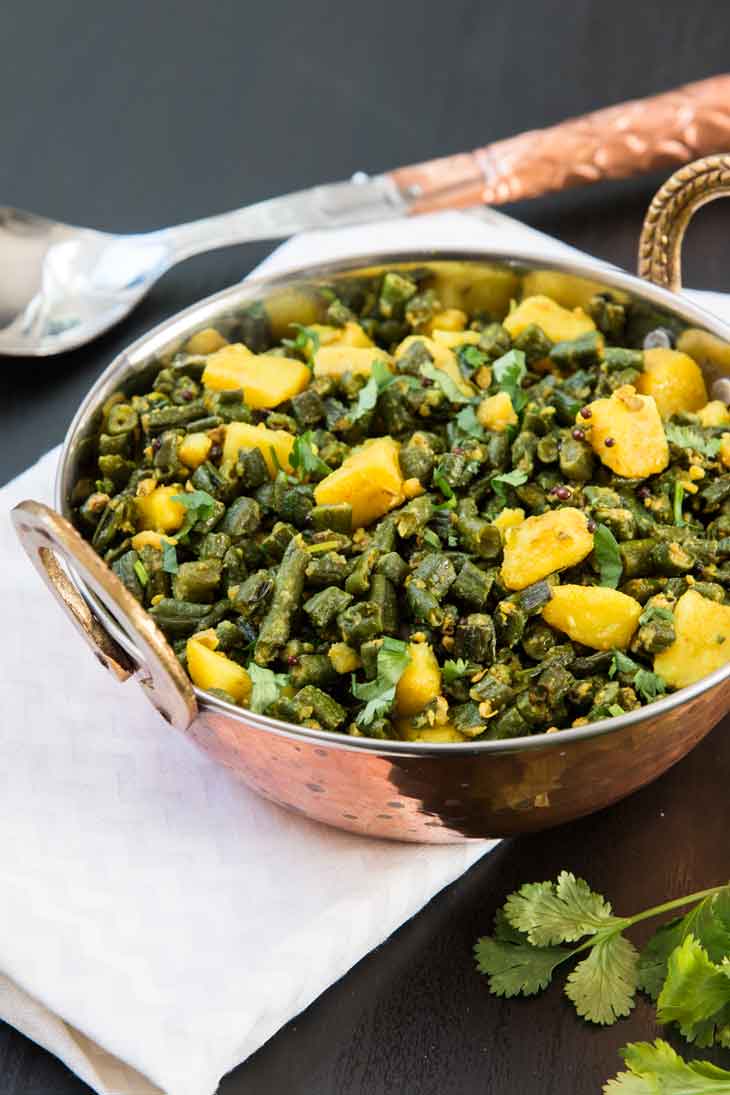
column 134, row 115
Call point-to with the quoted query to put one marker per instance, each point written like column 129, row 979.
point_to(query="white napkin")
column 158, row 921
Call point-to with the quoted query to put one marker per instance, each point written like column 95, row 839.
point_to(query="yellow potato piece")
column 702, row 642
column 158, row 512
column 150, row 539
column 725, row 450
column 210, row 669
column 336, row 360
column 566, row 289
column 631, row 424
column 205, row 342
column 194, row 449
column 266, row 380
column 434, row 735
column 714, row 414
column 507, row 519
column 559, row 324
column 451, row 319
column 542, row 545
column 705, row 349
column 596, row 616
column 474, row 288
column 352, row 334
column 420, row 682
column 455, row 338
column 240, row 435
column 674, row 380
column 369, row 479
column 497, row 413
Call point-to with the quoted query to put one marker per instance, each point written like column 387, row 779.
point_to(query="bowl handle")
column 660, row 244
column 46, row 536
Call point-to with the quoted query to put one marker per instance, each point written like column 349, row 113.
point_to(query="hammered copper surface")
column 637, row 136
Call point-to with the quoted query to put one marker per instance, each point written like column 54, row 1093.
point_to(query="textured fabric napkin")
column 158, row 921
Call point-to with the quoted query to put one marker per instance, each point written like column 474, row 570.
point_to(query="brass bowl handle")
column 672, row 208
column 45, row 536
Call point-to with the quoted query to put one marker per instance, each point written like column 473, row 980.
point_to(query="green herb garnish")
column 393, row 658
column 608, row 557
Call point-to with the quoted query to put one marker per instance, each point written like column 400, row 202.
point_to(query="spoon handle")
column 634, row 137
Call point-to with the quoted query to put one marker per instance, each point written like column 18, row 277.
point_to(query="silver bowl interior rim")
column 206, row 311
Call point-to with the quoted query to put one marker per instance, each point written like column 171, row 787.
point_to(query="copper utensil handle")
column 618, row 141
column 45, row 536
column 671, row 210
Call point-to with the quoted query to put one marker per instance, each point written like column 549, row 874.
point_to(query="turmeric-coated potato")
column 420, row 682
column 194, row 449
column 715, row 413
column 158, row 512
column 674, row 380
column 205, row 342
column 266, row 379
column 370, row 480
column 497, row 413
column 626, row 433
column 542, row 545
column 338, row 359
column 702, row 642
column 240, row 435
column 434, row 735
column 596, row 616
column 210, row 669
column 559, row 324
column 508, row 518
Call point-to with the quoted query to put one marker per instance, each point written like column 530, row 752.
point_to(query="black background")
column 146, row 112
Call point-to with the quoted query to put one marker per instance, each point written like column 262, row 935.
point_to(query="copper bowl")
column 398, row 790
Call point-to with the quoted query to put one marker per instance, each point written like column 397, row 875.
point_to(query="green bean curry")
column 426, row 513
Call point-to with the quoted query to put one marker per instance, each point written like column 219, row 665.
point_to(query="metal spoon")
column 61, row 286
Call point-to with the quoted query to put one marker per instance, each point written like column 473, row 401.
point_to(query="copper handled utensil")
column 417, row 791
column 61, row 286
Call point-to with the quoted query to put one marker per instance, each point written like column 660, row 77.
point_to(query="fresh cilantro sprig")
column 266, row 686
column 465, row 424
column 454, row 670
column 169, row 557
column 199, row 506
column 607, row 556
column 507, row 479
column 648, row 684
column 307, row 340
column 393, row 659
column 380, row 378
column 658, row 1070
column 687, row 437
column 446, row 383
column 535, row 923
column 471, row 357
column 305, row 459
column 508, row 372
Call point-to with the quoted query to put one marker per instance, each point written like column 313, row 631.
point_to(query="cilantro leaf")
column 471, row 356
column 454, row 670
column 655, row 955
column 507, row 479
column 508, row 372
column 603, row 985
column 304, row 459
column 307, row 340
column 695, row 989
column 558, row 912
column 169, row 557
column 466, row 424
column 687, row 437
column 515, row 968
column 608, row 557
column 678, row 499
column 446, row 383
column 199, row 505
column 622, row 663
column 267, row 686
column 393, row 659
column 141, row 571
column 649, row 685
column 657, row 1070
column 380, row 378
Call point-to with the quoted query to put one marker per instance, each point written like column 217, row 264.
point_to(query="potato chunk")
column 266, row 380
column 434, row 735
column 210, row 669
column 369, row 479
column 541, row 545
column 194, row 449
column 158, row 512
column 566, row 289
column 596, row 616
column 627, row 434
column 205, row 342
column 338, row 359
column 239, row 435
column 507, row 519
column 559, row 324
column 497, row 413
column 674, row 380
column 455, row 338
column 420, row 682
column 714, row 414
column 702, row 642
